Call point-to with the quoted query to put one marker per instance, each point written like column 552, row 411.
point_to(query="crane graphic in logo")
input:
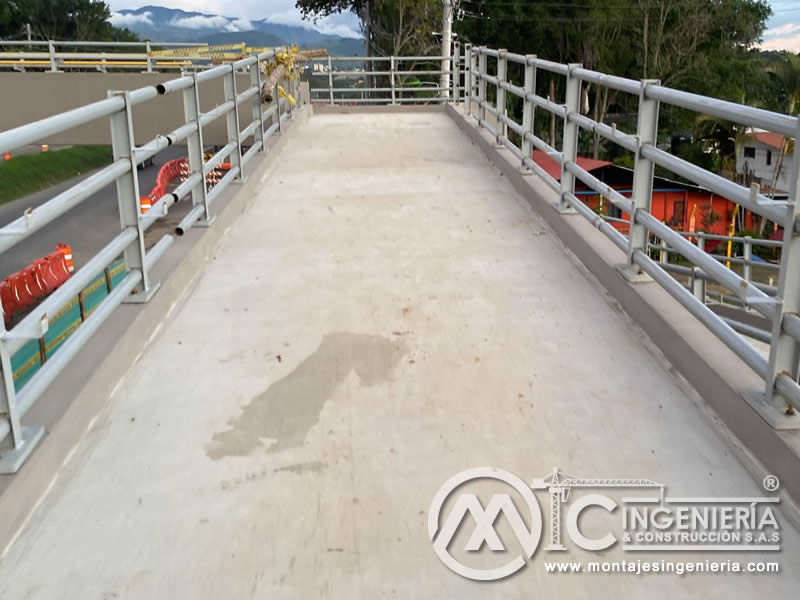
column 558, row 484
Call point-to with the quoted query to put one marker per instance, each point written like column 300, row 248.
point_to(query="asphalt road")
column 86, row 227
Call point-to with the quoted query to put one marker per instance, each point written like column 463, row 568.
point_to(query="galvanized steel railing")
column 17, row 441
column 54, row 60
column 393, row 67
column 782, row 308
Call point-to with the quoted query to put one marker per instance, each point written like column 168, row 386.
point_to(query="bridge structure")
column 378, row 295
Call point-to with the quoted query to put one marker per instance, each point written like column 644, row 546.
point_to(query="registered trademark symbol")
column 771, row 483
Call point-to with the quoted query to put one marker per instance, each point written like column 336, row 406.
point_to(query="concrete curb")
column 119, row 344
column 718, row 375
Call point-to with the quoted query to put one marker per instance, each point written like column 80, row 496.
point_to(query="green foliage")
column 60, row 20
column 28, row 173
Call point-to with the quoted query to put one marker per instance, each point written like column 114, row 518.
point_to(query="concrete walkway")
column 388, row 313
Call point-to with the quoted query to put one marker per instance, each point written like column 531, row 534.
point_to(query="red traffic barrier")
column 25, row 288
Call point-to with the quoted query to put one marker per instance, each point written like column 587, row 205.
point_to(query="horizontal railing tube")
column 625, row 140
column 70, row 288
column 161, row 205
column 721, row 275
column 220, row 156
column 629, row 86
column 45, row 213
column 619, row 240
column 251, row 152
column 546, row 104
column 705, row 315
column 51, row 369
column 33, row 132
column 156, row 252
column 775, row 211
column 598, row 186
column 215, row 113
column 730, row 111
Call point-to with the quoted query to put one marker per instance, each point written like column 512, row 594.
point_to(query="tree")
column 787, row 73
column 60, row 20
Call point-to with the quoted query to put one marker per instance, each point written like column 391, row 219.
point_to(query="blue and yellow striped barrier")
column 27, row 360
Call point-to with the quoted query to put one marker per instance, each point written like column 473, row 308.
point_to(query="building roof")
column 768, row 138
column 553, row 168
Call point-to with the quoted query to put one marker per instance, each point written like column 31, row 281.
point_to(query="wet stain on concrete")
column 300, row 468
column 290, row 407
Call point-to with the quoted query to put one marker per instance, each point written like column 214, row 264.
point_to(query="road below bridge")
column 87, row 227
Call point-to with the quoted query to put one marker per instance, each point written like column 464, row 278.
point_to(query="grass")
column 28, row 173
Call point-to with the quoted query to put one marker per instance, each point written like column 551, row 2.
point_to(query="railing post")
column 391, row 75
column 456, row 72
column 528, row 111
column 468, row 81
column 277, row 97
column 51, row 49
column 784, row 353
column 194, row 147
column 123, row 147
column 698, row 283
column 570, row 141
column 330, row 79
column 646, row 133
column 663, row 253
column 149, row 58
column 501, row 128
column 20, row 441
column 747, row 272
column 232, row 122
column 481, row 86
column 258, row 116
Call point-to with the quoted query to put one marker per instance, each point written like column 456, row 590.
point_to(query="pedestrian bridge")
column 384, row 301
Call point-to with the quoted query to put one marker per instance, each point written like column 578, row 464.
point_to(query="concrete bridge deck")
column 387, row 313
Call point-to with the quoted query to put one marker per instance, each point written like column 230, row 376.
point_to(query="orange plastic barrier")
column 172, row 169
column 26, row 287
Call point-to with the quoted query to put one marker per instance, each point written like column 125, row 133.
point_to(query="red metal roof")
column 553, row 169
column 770, row 139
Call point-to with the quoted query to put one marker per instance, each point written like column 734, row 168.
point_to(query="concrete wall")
column 27, row 97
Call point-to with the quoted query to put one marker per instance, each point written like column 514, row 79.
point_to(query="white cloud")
column 120, row 20
column 201, row 22
column 212, row 22
column 327, row 25
column 787, row 29
column 243, row 25
column 783, row 37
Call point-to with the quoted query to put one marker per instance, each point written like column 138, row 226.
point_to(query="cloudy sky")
column 277, row 11
column 783, row 32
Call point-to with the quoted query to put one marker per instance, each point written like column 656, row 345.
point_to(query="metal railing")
column 17, row 441
column 55, row 61
column 382, row 68
column 782, row 308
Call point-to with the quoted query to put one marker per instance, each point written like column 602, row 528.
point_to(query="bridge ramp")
column 387, row 313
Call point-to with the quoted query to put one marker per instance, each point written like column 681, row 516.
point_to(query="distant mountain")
column 163, row 24
column 251, row 38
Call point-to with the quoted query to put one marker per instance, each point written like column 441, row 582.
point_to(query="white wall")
column 759, row 167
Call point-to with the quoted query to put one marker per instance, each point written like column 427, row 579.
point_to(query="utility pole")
column 447, row 35
column 28, row 30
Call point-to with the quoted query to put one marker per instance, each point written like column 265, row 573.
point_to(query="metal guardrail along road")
column 17, row 441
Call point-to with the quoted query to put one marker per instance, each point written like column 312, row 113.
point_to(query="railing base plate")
column 770, row 413
column 143, row 298
column 11, row 460
column 633, row 274
column 204, row 222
